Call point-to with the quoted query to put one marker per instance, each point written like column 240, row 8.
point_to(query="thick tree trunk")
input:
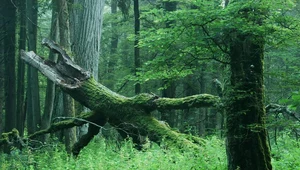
column 86, row 27
column 9, row 14
column 131, row 114
column 247, row 147
column 2, row 99
column 33, row 96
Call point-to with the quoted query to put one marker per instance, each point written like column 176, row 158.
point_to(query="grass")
column 104, row 155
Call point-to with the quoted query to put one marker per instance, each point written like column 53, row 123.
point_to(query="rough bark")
column 131, row 114
column 2, row 99
column 9, row 15
column 33, row 96
column 86, row 27
column 1, row 80
column 247, row 143
column 247, row 146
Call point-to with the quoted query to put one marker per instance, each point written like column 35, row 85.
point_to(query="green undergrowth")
column 286, row 154
column 101, row 154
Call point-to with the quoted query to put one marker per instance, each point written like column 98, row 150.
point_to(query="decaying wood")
column 130, row 115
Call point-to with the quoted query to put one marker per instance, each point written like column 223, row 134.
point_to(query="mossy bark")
column 247, row 147
column 130, row 115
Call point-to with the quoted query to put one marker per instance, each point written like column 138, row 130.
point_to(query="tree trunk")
column 131, row 114
column 85, row 27
column 9, row 14
column 247, row 147
column 189, row 116
column 2, row 99
column 21, row 70
column 114, row 38
column 113, row 55
column 169, row 85
column 33, row 96
column 50, row 89
column 137, row 58
column 64, row 33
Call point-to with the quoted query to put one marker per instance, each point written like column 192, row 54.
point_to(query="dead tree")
column 130, row 115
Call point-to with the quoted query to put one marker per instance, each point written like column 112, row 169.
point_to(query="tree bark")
column 50, row 89
column 169, row 85
column 131, row 114
column 21, row 70
column 137, row 58
column 86, row 27
column 64, row 33
column 9, row 14
column 115, row 38
column 247, row 146
column 2, row 99
column 33, row 97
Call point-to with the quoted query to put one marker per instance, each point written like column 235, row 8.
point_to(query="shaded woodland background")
column 147, row 46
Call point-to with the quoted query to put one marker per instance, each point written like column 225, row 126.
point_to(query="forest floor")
column 103, row 154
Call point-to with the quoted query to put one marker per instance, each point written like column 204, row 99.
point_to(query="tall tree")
column 114, row 38
column 50, row 90
column 9, row 15
column 33, row 96
column 1, row 71
column 85, row 27
column 21, row 69
column 169, row 85
column 137, row 58
column 64, row 37
column 1, row 87
column 247, row 146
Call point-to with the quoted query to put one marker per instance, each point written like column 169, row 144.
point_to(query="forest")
column 149, row 84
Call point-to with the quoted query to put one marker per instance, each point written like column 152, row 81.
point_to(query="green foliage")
column 201, row 31
column 284, row 154
column 100, row 154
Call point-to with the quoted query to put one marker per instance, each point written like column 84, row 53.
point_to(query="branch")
column 120, row 111
column 276, row 108
column 72, row 77
column 195, row 101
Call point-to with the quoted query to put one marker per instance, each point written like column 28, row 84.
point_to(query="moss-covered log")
column 131, row 115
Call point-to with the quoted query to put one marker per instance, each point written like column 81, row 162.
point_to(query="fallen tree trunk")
column 130, row 115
